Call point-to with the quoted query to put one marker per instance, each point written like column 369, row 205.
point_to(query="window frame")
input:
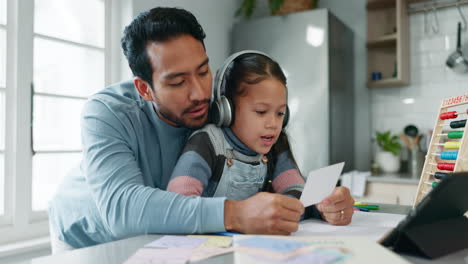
column 19, row 221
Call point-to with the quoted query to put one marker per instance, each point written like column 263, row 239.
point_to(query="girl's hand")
column 337, row 208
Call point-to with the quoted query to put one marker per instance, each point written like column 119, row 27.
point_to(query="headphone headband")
column 218, row 88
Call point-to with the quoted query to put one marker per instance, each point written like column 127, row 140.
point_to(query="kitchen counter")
column 398, row 178
column 390, row 188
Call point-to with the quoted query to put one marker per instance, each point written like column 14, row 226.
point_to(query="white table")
column 119, row 251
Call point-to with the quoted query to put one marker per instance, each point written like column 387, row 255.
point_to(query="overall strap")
column 222, row 146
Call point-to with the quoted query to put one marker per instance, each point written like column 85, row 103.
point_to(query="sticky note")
column 205, row 252
column 177, row 242
column 273, row 244
column 314, row 257
column 215, row 241
column 160, row 256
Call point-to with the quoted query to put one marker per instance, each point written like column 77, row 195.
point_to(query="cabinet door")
column 390, row 193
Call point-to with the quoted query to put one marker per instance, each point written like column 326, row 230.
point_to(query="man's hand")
column 337, row 208
column 263, row 213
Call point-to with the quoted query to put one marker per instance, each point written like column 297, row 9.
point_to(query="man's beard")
column 180, row 122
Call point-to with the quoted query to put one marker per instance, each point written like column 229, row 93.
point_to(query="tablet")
column 438, row 224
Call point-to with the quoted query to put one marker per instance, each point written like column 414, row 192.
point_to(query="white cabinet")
column 390, row 190
column 390, row 193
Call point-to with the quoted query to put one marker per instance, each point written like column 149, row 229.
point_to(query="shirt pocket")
column 245, row 180
column 243, row 190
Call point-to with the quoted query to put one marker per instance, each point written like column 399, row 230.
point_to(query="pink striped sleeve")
column 185, row 185
column 286, row 179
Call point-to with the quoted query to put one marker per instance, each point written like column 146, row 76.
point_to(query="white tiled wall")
column 431, row 80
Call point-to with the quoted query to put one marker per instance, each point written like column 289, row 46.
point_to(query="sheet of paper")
column 177, row 242
column 355, row 181
column 320, row 183
column 314, row 255
column 273, row 244
column 215, row 241
column 368, row 224
column 354, row 250
column 318, row 256
column 376, row 219
column 204, row 252
column 160, row 256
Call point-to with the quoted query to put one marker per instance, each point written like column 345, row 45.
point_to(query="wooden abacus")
column 439, row 163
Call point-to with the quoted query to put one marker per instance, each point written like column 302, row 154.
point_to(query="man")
column 132, row 135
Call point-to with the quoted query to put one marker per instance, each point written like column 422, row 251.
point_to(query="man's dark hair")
column 158, row 24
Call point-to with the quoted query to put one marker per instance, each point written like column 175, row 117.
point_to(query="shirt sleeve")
column 125, row 204
column 287, row 178
column 194, row 167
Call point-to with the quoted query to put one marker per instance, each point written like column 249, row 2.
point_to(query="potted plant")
column 388, row 156
column 277, row 7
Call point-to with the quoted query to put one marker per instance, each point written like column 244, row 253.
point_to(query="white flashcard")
column 320, row 183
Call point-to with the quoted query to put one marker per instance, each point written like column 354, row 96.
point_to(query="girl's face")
column 259, row 114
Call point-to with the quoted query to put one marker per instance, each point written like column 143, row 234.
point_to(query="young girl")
column 247, row 151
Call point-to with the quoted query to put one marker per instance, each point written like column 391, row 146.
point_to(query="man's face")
column 181, row 81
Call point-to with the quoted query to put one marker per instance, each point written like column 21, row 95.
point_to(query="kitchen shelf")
column 384, row 41
column 417, row 1
column 390, row 82
column 388, row 42
column 380, row 4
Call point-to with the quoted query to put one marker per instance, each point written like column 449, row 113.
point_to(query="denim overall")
column 242, row 175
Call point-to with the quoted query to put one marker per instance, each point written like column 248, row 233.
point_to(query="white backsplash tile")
column 437, row 58
column 450, row 43
column 431, row 80
column 433, row 75
column 463, row 87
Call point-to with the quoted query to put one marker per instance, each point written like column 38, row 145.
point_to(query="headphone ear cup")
column 286, row 117
column 216, row 113
column 227, row 116
column 230, row 111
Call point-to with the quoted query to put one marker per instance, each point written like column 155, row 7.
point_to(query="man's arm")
column 263, row 213
column 126, row 206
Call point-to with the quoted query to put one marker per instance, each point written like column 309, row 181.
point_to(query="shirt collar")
column 236, row 143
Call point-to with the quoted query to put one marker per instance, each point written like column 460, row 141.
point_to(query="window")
column 68, row 67
column 59, row 53
column 2, row 102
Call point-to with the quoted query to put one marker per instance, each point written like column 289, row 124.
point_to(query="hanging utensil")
column 456, row 61
column 461, row 16
column 426, row 27
column 435, row 26
column 431, row 24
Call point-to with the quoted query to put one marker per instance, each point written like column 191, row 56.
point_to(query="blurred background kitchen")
column 366, row 80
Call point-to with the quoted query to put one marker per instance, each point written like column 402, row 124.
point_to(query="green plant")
column 388, row 142
column 248, row 6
